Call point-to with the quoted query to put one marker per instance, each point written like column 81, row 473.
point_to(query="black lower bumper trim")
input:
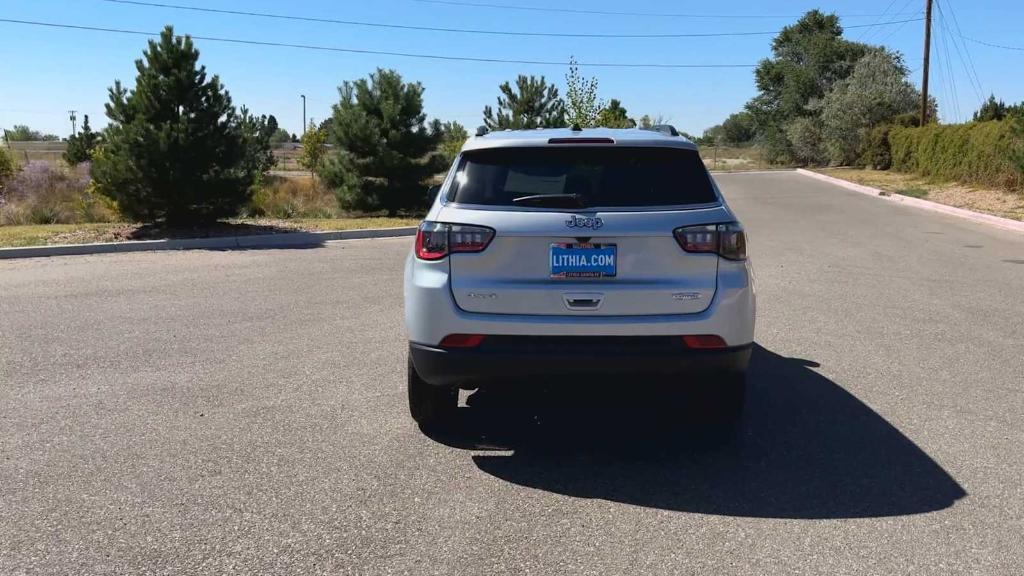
column 503, row 358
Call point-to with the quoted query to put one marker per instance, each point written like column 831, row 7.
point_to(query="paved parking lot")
column 242, row 411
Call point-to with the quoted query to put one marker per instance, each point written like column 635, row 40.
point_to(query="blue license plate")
column 582, row 260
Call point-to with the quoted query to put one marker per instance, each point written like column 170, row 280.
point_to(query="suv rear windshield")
column 607, row 176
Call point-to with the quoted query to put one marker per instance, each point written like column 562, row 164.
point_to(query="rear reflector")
column 704, row 341
column 462, row 341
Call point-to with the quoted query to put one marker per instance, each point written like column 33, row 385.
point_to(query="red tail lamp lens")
column 727, row 240
column 462, row 340
column 432, row 241
column 435, row 240
column 704, row 341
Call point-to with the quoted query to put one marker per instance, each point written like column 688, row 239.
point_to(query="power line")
column 970, row 59
column 896, row 30
column 618, row 13
column 950, row 77
column 463, row 30
column 971, row 78
column 382, row 52
column 990, row 44
column 882, row 15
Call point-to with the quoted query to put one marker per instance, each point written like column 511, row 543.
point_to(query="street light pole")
column 303, row 114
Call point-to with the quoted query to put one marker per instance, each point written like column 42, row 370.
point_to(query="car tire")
column 430, row 406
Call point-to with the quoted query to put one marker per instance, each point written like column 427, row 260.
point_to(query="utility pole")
column 927, row 54
column 74, row 124
column 303, row 114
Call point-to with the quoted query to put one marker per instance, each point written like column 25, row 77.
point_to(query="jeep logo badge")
column 584, row 222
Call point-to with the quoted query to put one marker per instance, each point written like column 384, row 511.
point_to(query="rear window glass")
column 599, row 176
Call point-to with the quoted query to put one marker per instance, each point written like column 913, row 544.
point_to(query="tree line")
column 823, row 99
column 176, row 150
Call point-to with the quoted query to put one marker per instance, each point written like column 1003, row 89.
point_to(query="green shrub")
column 980, row 153
column 876, row 151
column 806, row 141
column 7, row 165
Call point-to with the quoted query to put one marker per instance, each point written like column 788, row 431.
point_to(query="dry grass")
column 730, row 159
column 1004, row 203
column 293, row 197
column 41, row 193
column 44, row 234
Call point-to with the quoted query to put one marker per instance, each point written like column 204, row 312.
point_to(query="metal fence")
column 53, row 153
column 733, row 159
column 716, row 158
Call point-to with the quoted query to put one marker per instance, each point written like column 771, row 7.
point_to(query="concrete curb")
column 752, row 172
column 1004, row 223
column 283, row 240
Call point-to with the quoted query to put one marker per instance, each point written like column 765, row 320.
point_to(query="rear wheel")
column 430, row 406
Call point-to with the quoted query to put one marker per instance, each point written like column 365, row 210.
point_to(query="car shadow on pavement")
column 805, row 448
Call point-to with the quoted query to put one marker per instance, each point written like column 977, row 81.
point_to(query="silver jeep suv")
column 567, row 252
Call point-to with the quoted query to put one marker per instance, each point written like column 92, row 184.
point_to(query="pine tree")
column 174, row 150
column 256, row 133
column 532, row 104
column 615, row 116
column 384, row 149
column 81, row 145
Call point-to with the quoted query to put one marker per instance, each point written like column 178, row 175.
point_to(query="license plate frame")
column 573, row 269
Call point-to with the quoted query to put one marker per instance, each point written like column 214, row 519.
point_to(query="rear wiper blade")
column 551, row 200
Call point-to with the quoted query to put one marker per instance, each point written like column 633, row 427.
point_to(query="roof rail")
column 666, row 129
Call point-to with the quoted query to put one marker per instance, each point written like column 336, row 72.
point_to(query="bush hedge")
column 982, row 153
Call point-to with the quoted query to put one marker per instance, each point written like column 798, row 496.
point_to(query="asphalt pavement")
column 243, row 411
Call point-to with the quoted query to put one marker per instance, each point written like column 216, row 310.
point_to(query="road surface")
column 215, row 412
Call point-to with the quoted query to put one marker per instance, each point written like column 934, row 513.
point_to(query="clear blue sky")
column 45, row 72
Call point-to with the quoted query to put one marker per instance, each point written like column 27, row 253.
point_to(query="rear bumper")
column 431, row 312
column 504, row 358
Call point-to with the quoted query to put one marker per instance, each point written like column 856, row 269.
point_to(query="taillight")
column 435, row 240
column 726, row 240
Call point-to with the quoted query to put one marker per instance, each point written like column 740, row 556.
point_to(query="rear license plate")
column 582, row 260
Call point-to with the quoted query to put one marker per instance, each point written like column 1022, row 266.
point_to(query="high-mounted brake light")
column 581, row 141
column 727, row 240
column 435, row 240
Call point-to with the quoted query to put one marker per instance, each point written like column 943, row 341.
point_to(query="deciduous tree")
column 875, row 93
column 582, row 105
column 455, row 136
column 314, row 148
column 22, row 133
